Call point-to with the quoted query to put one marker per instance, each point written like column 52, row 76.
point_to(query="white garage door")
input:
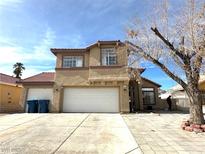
column 40, row 93
column 91, row 100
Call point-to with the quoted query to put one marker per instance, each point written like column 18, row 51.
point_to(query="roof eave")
column 37, row 82
column 151, row 82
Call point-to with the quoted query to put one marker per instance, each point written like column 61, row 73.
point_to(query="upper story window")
column 109, row 56
column 72, row 61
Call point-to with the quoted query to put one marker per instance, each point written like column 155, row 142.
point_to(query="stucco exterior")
column 92, row 74
column 159, row 105
column 9, row 98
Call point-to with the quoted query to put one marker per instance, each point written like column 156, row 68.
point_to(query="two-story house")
column 91, row 79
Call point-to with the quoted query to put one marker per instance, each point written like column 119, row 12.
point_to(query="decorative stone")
column 192, row 127
column 186, row 123
column 183, row 126
column 198, row 130
column 196, row 126
column 188, row 128
column 203, row 127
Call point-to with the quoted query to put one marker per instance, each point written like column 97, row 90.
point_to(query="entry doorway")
column 134, row 96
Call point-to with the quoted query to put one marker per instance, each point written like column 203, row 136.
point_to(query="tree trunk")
column 196, row 113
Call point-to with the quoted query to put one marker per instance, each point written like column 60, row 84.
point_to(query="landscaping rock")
column 192, row 127
column 183, row 126
column 188, row 128
column 198, row 130
column 196, row 126
column 203, row 127
column 186, row 123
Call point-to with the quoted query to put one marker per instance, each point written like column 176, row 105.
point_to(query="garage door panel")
column 91, row 100
column 40, row 93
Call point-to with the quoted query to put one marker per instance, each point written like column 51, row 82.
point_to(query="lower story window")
column 148, row 96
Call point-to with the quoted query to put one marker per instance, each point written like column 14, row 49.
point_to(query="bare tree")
column 174, row 40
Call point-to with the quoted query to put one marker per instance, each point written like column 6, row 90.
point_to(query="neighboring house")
column 92, row 79
column 180, row 97
column 10, row 93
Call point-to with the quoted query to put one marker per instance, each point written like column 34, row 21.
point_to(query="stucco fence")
column 164, row 105
column 182, row 104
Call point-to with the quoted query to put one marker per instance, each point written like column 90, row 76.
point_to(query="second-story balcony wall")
column 112, row 73
column 72, row 77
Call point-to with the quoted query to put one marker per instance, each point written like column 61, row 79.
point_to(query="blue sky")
column 29, row 28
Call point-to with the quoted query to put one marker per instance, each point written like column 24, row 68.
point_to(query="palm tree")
column 18, row 68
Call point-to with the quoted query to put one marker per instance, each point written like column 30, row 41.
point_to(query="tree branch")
column 184, row 57
column 156, row 31
column 156, row 62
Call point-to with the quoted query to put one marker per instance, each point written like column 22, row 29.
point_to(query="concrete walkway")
column 161, row 133
column 65, row 133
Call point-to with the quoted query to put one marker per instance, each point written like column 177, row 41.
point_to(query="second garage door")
column 91, row 100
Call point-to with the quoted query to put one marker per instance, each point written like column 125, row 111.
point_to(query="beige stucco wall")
column 159, row 104
column 108, row 72
column 72, row 78
column 9, row 98
column 95, row 56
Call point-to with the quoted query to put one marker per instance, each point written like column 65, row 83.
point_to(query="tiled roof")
column 57, row 50
column 42, row 77
column 151, row 81
column 8, row 79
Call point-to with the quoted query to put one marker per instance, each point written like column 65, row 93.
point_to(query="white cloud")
column 38, row 55
column 11, row 54
column 43, row 48
column 10, row 3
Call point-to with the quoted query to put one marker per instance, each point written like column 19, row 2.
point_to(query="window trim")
column 101, row 53
column 62, row 65
column 154, row 91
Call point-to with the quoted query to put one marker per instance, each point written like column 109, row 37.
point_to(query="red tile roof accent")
column 8, row 79
column 42, row 77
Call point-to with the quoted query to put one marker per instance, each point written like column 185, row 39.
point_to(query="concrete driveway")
column 65, row 133
column 161, row 133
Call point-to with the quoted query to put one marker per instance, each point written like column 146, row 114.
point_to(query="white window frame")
column 72, row 61
column 106, row 55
